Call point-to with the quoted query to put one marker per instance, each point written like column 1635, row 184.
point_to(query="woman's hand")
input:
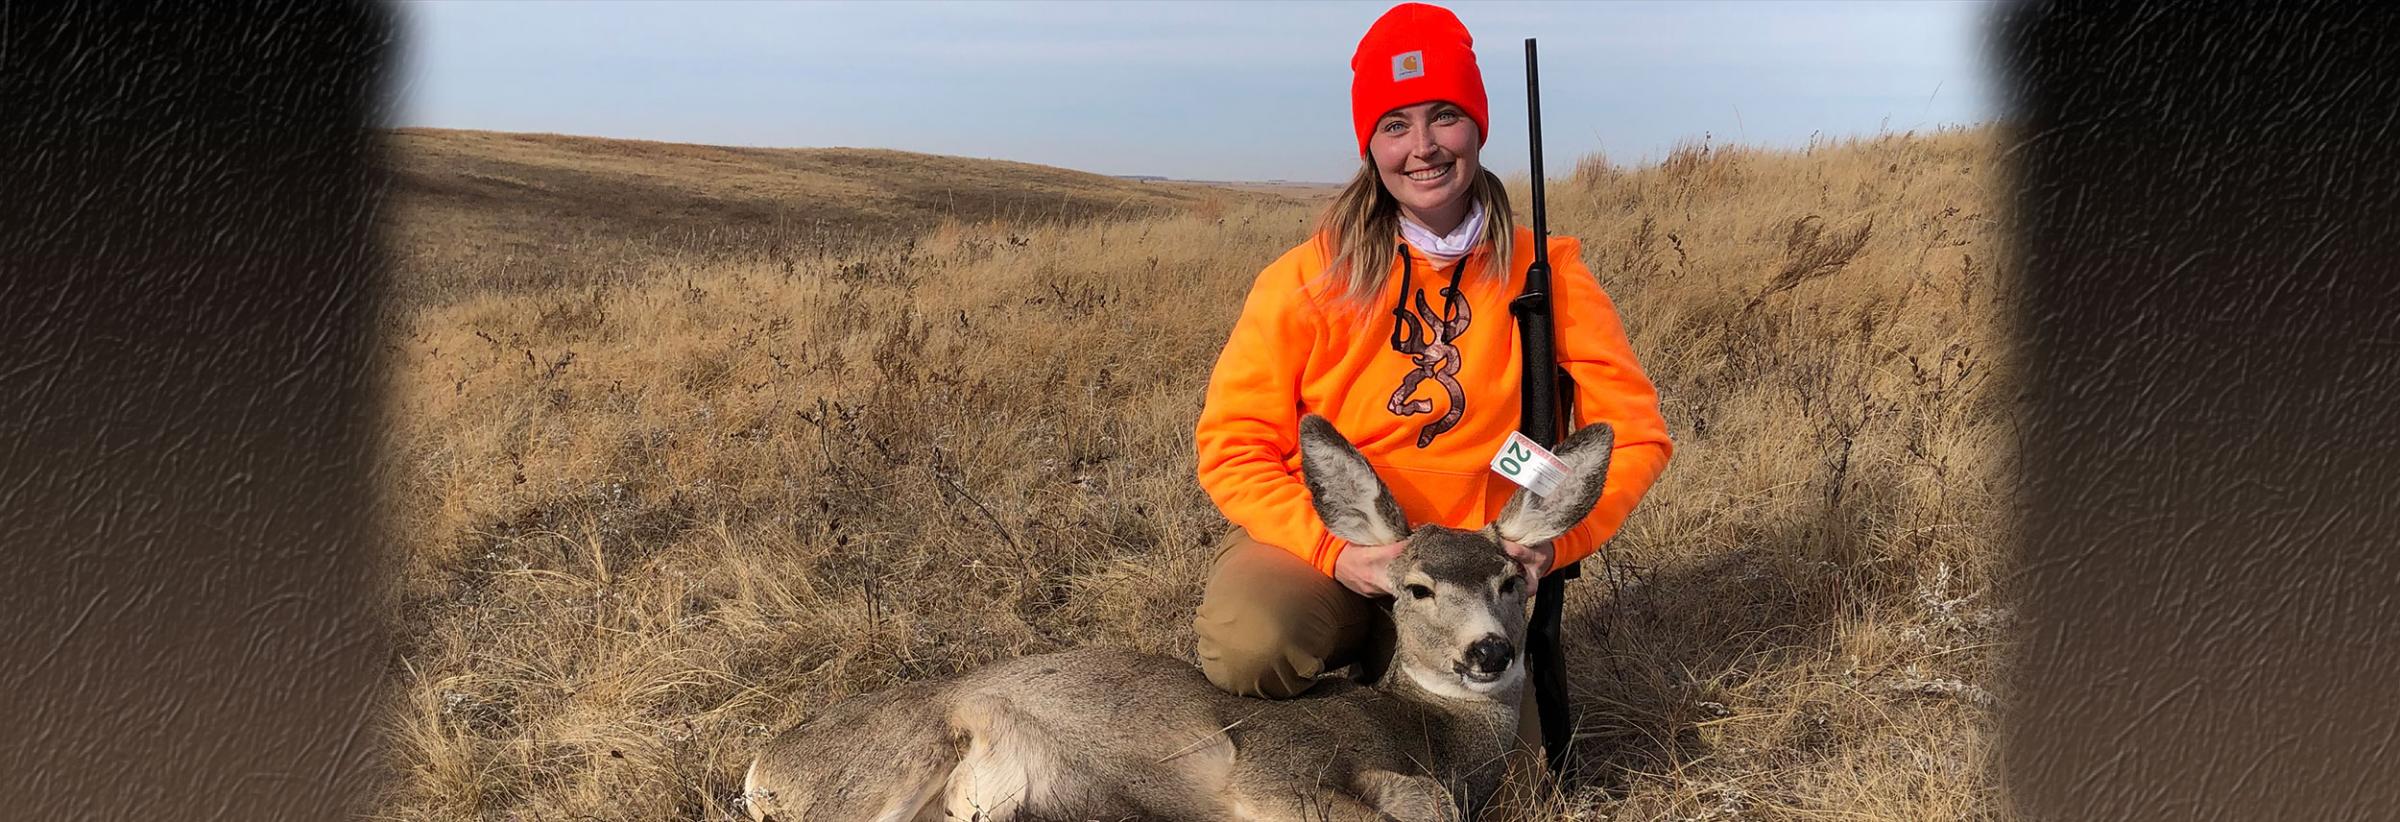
column 1535, row 559
column 1361, row 568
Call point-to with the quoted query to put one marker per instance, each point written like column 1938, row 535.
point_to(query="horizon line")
column 1707, row 138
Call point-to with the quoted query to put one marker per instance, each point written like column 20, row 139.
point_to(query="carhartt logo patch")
column 1408, row 64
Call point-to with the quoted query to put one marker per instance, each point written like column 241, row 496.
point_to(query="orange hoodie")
column 1294, row 351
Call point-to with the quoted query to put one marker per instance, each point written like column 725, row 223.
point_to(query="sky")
column 1197, row 90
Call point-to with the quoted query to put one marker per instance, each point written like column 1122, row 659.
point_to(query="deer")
column 1102, row 733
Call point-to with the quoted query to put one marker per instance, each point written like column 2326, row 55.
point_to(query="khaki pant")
column 1269, row 624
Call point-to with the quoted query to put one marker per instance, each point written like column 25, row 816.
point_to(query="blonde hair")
column 1362, row 226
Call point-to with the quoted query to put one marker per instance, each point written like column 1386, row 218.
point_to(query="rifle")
column 1546, row 407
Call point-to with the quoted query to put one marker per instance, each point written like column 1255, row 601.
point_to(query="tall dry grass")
column 650, row 522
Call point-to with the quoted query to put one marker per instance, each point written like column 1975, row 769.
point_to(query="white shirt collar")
column 1444, row 250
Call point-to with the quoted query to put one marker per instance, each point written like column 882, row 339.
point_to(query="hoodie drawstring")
column 1400, row 315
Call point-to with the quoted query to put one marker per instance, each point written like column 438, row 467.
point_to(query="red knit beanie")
column 1415, row 53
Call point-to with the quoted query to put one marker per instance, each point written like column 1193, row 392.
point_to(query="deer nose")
column 1491, row 654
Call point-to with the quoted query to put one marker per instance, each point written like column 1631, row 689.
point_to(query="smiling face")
column 1426, row 155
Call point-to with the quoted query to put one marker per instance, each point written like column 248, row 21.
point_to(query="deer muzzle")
column 1487, row 658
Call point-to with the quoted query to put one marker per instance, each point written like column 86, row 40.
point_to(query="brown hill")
column 481, row 210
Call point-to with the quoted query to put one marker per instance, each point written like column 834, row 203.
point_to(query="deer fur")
column 1096, row 733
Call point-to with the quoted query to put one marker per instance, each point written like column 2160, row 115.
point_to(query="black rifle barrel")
column 1544, row 411
column 1540, row 418
column 1533, row 131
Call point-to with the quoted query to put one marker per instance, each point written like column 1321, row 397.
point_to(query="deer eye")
column 1416, row 591
column 1510, row 585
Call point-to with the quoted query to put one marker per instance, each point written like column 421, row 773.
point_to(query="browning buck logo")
column 1430, row 340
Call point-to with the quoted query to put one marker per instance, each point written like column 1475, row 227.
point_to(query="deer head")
column 1460, row 601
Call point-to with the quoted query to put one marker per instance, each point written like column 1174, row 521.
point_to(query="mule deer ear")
column 1348, row 496
column 1531, row 518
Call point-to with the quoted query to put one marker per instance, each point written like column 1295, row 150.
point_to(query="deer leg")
column 1010, row 767
column 1406, row 798
column 1327, row 806
column 1381, row 796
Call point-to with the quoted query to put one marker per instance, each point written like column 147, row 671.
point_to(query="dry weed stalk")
column 1810, row 255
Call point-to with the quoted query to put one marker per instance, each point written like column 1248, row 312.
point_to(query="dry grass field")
column 652, row 513
column 483, row 212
